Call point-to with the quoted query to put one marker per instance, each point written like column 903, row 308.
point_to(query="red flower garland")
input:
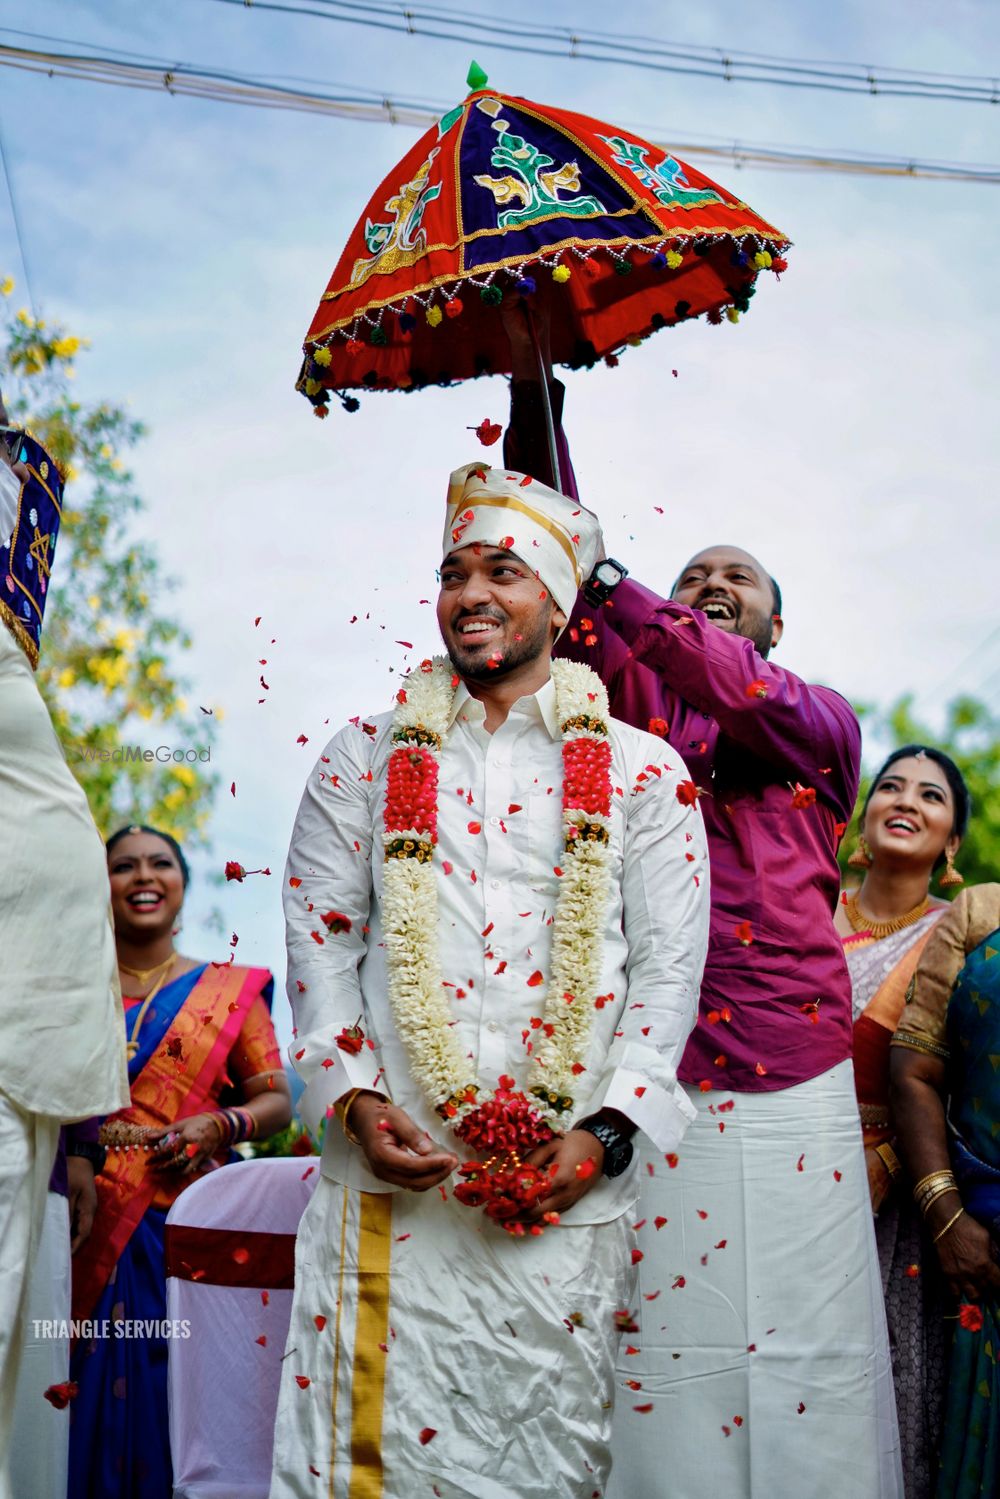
column 586, row 777
column 412, row 791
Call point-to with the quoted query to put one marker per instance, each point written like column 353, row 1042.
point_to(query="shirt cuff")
column 630, row 608
column 662, row 1113
column 334, row 1077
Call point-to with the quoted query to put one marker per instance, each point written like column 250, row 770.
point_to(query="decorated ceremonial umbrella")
column 502, row 192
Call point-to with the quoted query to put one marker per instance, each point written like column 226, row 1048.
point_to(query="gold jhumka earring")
column 951, row 876
column 861, row 857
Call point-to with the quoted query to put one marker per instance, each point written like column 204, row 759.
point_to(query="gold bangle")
column 217, row 1117
column 950, row 1224
column 930, row 1180
column 348, row 1105
column 889, row 1159
column 342, row 1108
column 944, row 1185
column 934, row 1194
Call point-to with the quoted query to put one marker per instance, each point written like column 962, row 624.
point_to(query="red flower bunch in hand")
column 506, row 1127
column 505, row 1192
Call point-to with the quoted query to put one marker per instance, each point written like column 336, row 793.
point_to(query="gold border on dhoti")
column 371, row 1336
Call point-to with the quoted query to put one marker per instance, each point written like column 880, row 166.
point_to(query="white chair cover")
column 230, row 1270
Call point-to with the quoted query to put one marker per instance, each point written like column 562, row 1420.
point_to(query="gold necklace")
column 879, row 929
column 145, row 974
column 132, row 1044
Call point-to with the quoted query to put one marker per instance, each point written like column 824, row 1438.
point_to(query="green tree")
column 108, row 668
column 971, row 736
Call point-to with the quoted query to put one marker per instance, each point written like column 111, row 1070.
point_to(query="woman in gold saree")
column 913, row 822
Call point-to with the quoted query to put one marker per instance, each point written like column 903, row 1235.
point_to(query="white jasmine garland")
column 420, row 1003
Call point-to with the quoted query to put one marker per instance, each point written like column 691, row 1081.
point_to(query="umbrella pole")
column 543, row 378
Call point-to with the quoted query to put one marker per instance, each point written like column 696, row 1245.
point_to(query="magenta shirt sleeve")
column 811, row 732
column 526, row 443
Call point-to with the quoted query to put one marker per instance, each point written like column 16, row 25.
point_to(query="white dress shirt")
column 499, row 846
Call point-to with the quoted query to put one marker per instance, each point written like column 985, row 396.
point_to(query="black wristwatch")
column 603, row 581
column 618, row 1147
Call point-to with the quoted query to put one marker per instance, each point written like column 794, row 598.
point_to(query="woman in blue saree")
column 204, row 1073
column 945, row 1073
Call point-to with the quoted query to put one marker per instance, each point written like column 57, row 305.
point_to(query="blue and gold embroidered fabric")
column 26, row 555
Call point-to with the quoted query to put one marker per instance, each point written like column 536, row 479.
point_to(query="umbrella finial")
column 476, row 78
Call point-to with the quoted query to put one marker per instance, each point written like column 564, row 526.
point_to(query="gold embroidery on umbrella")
column 401, row 240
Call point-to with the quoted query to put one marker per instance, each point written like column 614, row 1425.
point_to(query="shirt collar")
column 540, row 705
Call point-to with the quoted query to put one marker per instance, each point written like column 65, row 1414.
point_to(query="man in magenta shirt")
column 758, row 1362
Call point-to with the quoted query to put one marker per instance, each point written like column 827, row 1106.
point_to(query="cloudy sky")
column 845, row 431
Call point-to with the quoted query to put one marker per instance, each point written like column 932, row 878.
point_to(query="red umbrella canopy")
column 503, row 192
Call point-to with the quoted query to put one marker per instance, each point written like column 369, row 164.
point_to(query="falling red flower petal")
column 488, row 432
column 60, row 1395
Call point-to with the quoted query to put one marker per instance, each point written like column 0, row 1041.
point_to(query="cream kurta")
column 503, row 1347
column 62, row 1050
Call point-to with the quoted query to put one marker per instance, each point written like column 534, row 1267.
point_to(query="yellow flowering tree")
column 108, row 668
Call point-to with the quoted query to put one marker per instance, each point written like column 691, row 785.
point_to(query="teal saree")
column 970, row 1451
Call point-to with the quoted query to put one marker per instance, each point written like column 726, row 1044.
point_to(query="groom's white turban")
column 554, row 535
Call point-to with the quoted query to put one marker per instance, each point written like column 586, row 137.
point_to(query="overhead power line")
column 16, row 220
column 225, row 87
column 443, row 23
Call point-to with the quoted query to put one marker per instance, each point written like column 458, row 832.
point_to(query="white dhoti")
column 431, row 1354
column 27, row 1150
column 762, row 1368
column 39, row 1459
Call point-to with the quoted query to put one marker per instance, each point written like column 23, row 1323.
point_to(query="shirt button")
column 493, row 1027
column 496, row 884
column 494, row 822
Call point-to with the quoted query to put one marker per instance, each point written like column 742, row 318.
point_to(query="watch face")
column 607, row 573
column 617, row 1158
